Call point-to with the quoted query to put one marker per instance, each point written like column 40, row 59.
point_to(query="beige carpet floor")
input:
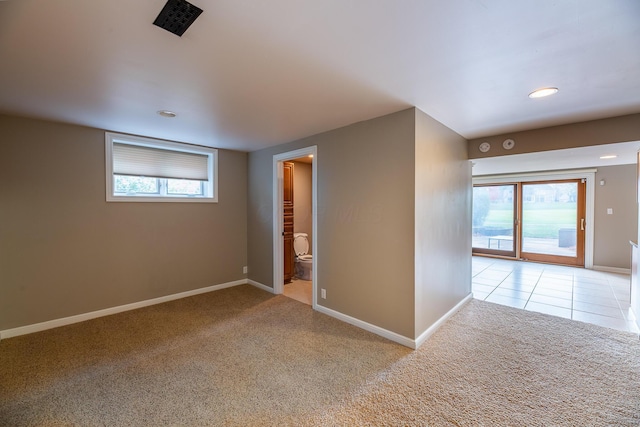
column 241, row 356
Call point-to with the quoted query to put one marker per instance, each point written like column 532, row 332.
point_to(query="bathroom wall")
column 302, row 198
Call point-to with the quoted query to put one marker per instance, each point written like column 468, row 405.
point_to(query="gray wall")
column 260, row 215
column 65, row 251
column 302, row 201
column 613, row 232
column 594, row 132
column 394, row 206
column 365, row 256
column 442, row 222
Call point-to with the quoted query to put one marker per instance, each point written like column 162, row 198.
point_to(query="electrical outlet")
column 323, row 293
column 609, row 211
column 245, row 269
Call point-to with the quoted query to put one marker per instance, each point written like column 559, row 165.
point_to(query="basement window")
column 149, row 170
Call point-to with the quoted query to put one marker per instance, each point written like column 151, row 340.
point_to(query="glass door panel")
column 552, row 222
column 493, row 219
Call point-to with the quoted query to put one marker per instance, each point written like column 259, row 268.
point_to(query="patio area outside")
column 531, row 244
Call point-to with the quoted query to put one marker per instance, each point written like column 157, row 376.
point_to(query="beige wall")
column 393, row 220
column 302, row 201
column 613, row 232
column 260, row 216
column 65, row 251
column 442, row 221
column 595, row 132
column 365, row 219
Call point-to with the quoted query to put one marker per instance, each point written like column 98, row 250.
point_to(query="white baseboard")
column 612, row 269
column 260, row 285
column 43, row 326
column 431, row 329
column 400, row 339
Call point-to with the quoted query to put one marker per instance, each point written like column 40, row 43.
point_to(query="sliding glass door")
column 553, row 222
column 537, row 221
column 494, row 208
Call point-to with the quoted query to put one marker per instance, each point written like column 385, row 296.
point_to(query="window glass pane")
column 135, row 184
column 493, row 217
column 549, row 218
column 184, row 186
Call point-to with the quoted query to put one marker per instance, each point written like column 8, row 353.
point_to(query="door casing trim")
column 278, row 220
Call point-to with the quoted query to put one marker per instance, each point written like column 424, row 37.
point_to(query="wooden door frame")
column 287, row 235
column 580, row 232
column 587, row 174
column 516, row 235
column 278, row 214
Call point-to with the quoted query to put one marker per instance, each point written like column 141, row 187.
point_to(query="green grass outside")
column 542, row 220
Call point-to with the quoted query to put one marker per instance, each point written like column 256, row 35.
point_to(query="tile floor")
column 574, row 293
column 300, row 290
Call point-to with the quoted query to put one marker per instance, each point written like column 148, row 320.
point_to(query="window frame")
column 210, row 186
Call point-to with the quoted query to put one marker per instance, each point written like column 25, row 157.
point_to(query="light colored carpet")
column 241, row 356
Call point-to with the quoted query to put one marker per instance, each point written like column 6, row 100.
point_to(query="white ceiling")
column 254, row 73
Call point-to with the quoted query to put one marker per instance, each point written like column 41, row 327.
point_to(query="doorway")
column 281, row 234
column 543, row 221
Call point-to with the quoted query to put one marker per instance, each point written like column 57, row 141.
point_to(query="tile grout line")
column 626, row 320
column 496, row 286
column 534, row 288
column 617, row 299
column 490, row 293
column 484, row 269
column 573, row 284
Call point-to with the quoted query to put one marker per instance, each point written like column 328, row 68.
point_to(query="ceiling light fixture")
column 609, row 156
column 167, row 113
column 545, row 91
column 310, row 156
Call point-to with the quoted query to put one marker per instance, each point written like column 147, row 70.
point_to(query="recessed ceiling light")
column 609, row 156
column 545, row 91
column 167, row 113
column 310, row 156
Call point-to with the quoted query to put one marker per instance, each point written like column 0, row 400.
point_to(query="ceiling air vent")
column 176, row 16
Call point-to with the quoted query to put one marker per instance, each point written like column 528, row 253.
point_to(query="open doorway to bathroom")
column 294, row 234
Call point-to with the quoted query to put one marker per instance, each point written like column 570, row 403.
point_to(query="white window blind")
column 140, row 169
column 136, row 160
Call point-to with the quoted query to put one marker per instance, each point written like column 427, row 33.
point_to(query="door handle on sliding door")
column 582, row 224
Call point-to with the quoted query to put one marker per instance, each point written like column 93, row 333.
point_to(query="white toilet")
column 304, row 261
